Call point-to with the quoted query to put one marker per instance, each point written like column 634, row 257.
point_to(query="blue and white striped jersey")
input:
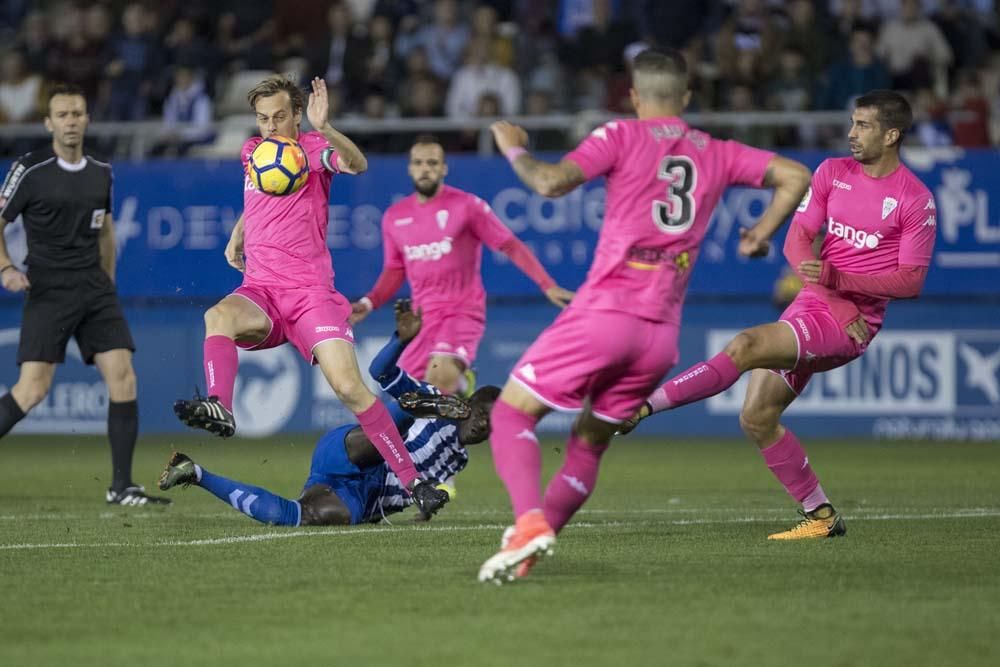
column 433, row 443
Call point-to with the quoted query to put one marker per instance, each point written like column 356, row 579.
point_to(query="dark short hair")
column 65, row 89
column 660, row 73
column 427, row 139
column 893, row 112
column 487, row 395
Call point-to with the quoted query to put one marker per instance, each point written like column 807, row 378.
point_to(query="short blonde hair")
column 273, row 85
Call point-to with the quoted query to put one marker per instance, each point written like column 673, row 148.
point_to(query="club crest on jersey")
column 442, row 218
column 888, row 206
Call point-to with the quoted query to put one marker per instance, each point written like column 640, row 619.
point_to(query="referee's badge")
column 97, row 218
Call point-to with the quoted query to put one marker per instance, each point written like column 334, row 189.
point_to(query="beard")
column 427, row 188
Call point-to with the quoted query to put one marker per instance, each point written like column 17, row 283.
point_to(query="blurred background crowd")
column 189, row 64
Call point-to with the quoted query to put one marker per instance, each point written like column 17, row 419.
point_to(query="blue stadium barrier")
column 933, row 373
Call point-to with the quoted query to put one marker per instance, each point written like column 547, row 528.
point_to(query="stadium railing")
column 134, row 140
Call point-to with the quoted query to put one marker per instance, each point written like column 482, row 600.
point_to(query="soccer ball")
column 278, row 166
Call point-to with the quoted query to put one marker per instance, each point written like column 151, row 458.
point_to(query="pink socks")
column 789, row 463
column 221, row 364
column 700, row 381
column 573, row 483
column 516, row 456
column 377, row 424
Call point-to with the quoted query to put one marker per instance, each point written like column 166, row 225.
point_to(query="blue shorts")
column 359, row 488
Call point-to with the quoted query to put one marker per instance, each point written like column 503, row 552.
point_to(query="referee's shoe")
column 206, row 413
column 134, row 496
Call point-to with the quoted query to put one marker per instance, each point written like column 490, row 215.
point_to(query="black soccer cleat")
column 428, row 498
column 434, row 405
column 207, row 414
column 180, row 470
column 134, row 496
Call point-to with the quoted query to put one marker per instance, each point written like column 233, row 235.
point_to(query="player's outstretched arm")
column 350, row 159
column 545, row 178
column 790, row 180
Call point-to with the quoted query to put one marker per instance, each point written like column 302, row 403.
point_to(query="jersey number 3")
column 676, row 214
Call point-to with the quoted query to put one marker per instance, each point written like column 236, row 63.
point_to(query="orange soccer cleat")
column 824, row 521
column 531, row 538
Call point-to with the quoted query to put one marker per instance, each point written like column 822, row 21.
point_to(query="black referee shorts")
column 82, row 304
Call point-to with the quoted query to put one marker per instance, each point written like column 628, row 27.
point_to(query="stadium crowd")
column 461, row 58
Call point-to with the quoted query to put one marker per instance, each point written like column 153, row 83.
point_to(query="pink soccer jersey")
column 663, row 181
column 873, row 225
column 439, row 245
column 284, row 238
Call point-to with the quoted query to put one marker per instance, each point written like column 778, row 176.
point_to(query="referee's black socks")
column 123, row 429
column 10, row 413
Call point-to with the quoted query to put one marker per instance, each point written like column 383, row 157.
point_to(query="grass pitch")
column 667, row 565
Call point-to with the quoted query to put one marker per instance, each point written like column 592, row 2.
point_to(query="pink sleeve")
column 389, row 281
column 919, row 231
column 321, row 155
column 903, row 283
column 392, row 258
column 486, row 225
column 598, row 153
column 798, row 246
column 524, row 259
column 811, row 213
column 745, row 165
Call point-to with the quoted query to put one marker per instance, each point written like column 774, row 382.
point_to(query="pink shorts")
column 823, row 343
column 614, row 359
column 447, row 334
column 303, row 317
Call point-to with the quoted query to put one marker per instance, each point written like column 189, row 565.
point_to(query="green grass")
column 667, row 565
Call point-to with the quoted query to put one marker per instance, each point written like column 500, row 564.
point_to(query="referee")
column 64, row 199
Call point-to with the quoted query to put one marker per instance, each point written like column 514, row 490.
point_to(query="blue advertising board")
column 918, row 379
column 174, row 217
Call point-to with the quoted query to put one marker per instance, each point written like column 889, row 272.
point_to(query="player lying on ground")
column 349, row 481
column 434, row 239
column 880, row 226
column 609, row 349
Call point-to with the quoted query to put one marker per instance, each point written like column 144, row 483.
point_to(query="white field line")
column 976, row 513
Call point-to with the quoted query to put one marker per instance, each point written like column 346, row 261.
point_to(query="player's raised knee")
column 743, row 348
column 759, row 425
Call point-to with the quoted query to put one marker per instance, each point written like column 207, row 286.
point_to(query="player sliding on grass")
column 349, row 481
column 880, row 227
column 287, row 292
column 434, row 239
column 616, row 340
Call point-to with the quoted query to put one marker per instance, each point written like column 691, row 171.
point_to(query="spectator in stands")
column 444, row 40
column 740, row 97
column 76, row 58
column 481, row 75
column 20, row 90
column 244, row 35
column 914, row 49
column 539, row 103
column 136, row 61
column 379, row 53
column 187, row 114
column 859, row 72
column 486, row 28
column 423, row 99
column 743, row 37
column 186, row 46
column 930, row 119
column 790, row 89
column 33, row 39
column 810, row 35
column 964, row 31
column 970, row 128
column 345, row 54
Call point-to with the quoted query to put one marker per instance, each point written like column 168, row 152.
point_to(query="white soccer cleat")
column 530, row 539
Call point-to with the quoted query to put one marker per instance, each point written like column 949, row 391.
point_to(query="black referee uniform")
column 63, row 208
column 63, row 211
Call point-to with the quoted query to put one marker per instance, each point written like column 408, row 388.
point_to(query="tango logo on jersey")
column 428, row 251
column 248, row 184
column 858, row 238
